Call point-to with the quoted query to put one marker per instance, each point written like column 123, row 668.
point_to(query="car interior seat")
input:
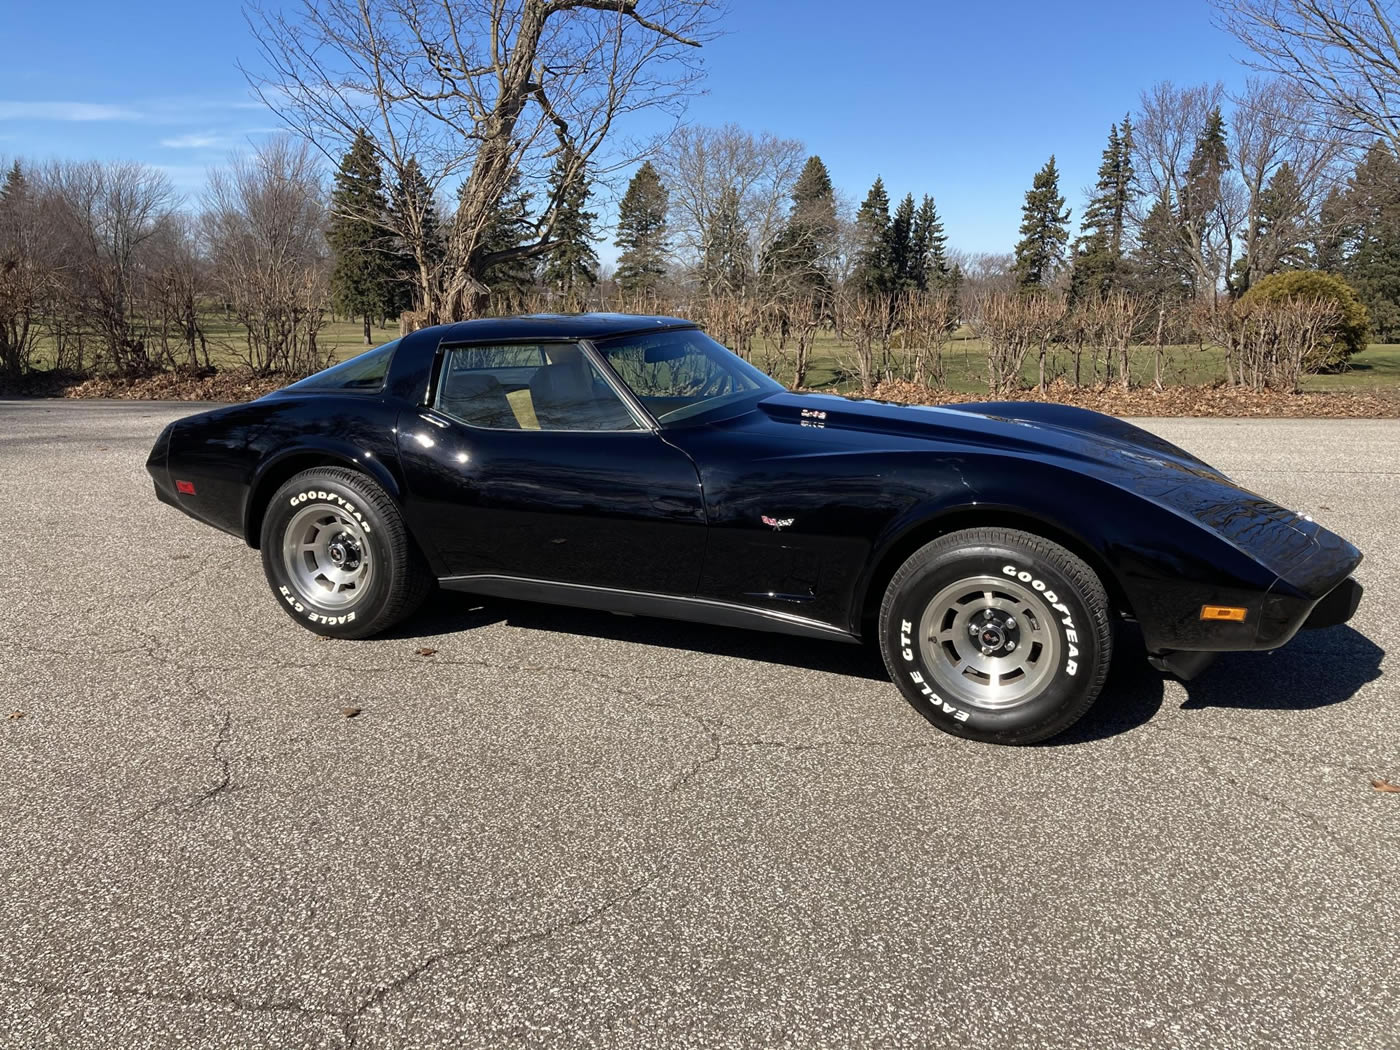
column 478, row 399
column 566, row 397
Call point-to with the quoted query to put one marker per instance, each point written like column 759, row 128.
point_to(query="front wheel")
column 338, row 556
column 997, row 635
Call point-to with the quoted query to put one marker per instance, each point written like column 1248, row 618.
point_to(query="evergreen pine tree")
column 800, row 255
column 1044, row 232
column 930, row 248
column 362, row 275
column 725, row 261
column 1332, row 233
column 1210, row 159
column 413, row 201
column 1161, row 273
column 1373, row 263
column 1098, row 253
column 1200, row 195
column 15, row 184
column 641, row 234
column 1282, row 235
column 571, row 267
column 510, row 280
column 905, row 269
column 873, row 267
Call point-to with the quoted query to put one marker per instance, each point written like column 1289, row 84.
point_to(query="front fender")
column 1162, row 566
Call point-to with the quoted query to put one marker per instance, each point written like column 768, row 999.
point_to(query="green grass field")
column 1376, row 369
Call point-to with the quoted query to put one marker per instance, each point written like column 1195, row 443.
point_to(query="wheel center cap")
column 344, row 552
column 992, row 638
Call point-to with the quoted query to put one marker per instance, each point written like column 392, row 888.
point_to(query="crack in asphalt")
column 711, row 726
column 230, row 1000
column 1304, row 758
column 347, row 1019
column 225, row 782
column 484, row 949
column 1250, row 787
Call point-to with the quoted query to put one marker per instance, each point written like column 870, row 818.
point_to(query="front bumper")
column 1337, row 606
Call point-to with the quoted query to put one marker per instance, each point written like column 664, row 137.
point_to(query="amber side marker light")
column 1223, row 612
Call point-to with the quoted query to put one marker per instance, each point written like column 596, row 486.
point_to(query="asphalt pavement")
column 570, row 829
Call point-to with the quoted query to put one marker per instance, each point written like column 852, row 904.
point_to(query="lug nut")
column 1010, row 624
column 972, row 629
column 1010, row 646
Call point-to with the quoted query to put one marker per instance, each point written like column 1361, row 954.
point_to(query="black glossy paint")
column 679, row 511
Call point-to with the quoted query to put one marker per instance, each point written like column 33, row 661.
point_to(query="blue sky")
column 961, row 100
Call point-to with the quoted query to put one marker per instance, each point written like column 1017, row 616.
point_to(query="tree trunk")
column 369, row 336
column 1157, row 365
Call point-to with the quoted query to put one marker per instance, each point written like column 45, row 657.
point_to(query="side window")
column 364, row 373
column 551, row 386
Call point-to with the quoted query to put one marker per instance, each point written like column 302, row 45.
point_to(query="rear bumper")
column 158, row 466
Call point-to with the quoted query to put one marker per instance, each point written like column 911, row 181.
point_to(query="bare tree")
column 984, row 272
column 1344, row 54
column 104, row 218
column 1275, row 342
column 179, row 279
column 1286, row 165
column 864, row 319
column 264, row 218
column 1121, row 318
column 477, row 92
column 704, row 168
column 1170, row 121
column 1012, row 326
column 805, row 319
column 926, row 321
column 27, row 270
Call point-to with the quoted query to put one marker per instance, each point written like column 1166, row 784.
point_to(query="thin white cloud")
column 79, row 111
column 206, row 140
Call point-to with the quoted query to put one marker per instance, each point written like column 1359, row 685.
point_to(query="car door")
column 526, row 462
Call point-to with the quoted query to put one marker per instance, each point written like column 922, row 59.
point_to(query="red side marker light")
column 185, row 488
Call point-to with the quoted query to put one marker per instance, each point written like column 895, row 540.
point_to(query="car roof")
column 553, row 326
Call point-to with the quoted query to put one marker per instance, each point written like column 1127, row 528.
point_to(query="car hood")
column 1027, row 427
column 1090, row 443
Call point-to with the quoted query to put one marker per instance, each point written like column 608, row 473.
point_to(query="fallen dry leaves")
column 1173, row 401
column 424, row 652
column 350, row 712
column 1385, row 785
column 231, row 384
column 16, row 714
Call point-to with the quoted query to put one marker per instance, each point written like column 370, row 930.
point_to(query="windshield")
column 681, row 373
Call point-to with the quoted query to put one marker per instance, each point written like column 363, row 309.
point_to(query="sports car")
column 993, row 552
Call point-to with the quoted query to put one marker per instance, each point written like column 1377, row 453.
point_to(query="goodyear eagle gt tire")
column 997, row 635
column 338, row 556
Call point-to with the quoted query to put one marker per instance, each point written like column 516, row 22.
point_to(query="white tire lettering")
column 1066, row 617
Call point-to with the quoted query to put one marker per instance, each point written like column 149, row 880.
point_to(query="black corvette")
column 633, row 464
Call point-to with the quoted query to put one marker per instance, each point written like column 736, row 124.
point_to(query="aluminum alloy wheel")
column 989, row 641
column 327, row 556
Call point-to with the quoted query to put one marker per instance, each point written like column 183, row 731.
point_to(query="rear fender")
column 317, row 451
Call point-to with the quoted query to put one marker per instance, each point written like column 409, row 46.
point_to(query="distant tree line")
column 468, row 180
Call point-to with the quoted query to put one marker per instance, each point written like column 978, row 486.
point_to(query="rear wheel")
column 997, row 635
column 338, row 556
